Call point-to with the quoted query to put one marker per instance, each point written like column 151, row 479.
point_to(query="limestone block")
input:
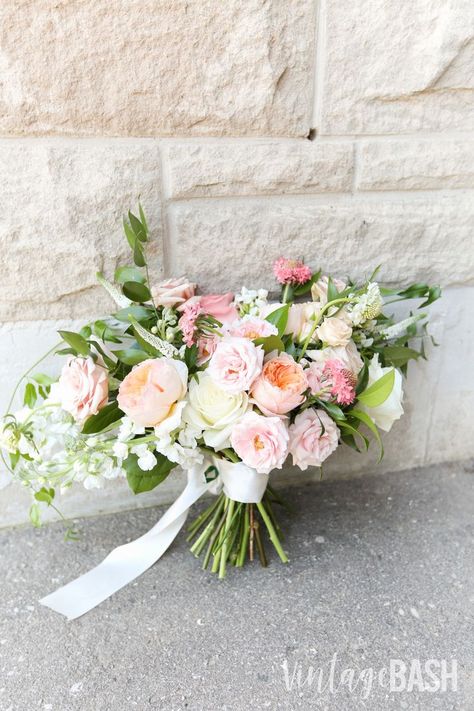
column 393, row 67
column 156, row 67
column 416, row 164
column 61, row 207
column 250, row 168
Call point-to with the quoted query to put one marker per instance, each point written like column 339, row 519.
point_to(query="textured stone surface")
column 413, row 239
column 393, row 67
column 61, row 207
column 154, row 67
column 416, row 165
column 436, row 427
column 246, row 168
column 380, row 569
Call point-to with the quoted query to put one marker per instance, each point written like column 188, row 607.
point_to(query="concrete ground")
column 381, row 569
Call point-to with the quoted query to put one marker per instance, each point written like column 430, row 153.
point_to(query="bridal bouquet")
column 226, row 386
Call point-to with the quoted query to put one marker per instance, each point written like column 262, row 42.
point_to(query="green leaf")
column 138, row 256
column 35, row 517
column 123, row 274
column 304, row 288
column 129, row 234
column 142, row 217
column 140, row 481
column 135, row 291
column 270, row 343
column 46, row 495
column 370, row 424
column 279, row 318
column 434, row 292
column 77, row 342
column 137, row 227
column 131, row 356
column 332, row 291
column 379, row 391
column 105, row 417
column 140, row 313
column 362, row 378
column 346, row 427
column 399, row 355
column 43, row 379
column 30, row 396
column 333, row 410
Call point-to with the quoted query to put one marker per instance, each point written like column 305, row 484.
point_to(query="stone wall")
column 339, row 131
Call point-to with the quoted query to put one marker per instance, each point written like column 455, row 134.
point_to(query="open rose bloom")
column 229, row 388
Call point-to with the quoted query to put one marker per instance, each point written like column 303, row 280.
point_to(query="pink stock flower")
column 313, row 437
column 149, row 392
column 187, row 323
column 261, row 442
column 291, row 271
column 235, row 364
column 280, row 387
column 253, row 327
column 83, row 387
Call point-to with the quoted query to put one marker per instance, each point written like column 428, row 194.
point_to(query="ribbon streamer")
column 127, row 562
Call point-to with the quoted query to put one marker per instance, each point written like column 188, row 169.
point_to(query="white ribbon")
column 127, row 562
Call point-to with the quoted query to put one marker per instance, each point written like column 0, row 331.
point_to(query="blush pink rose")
column 253, row 327
column 280, row 387
column 149, row 392
column 261, row 442
column 313, row 437
column 83, row 387
column 207, row 345
column 173, row 292
column 221, row 306
column 235, row 364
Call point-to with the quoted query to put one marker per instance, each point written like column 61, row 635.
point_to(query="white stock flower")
column 368, row 305
column 212, row 411
column 384, row 415
column 146, row 459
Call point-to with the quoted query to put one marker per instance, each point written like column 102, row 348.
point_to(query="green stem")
column 285, row 294
column 272, row 533
column 202, row 518
column 245, row 537
column 43, row 357
column 260, row 548
column 224, row 552
column 212, row 542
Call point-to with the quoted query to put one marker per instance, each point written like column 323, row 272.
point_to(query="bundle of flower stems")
column 229, row 531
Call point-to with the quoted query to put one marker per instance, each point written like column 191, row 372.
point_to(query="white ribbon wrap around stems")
column 127, row 562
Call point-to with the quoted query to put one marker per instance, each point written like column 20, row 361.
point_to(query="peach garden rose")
column 149, row 392
column 280, row 387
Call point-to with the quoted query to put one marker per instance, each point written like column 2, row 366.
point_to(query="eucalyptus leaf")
column 123, row 274
column 140, row 313
column 137, row 292
column 137, row 227
column 129, row 234
column 131, row 356
column 138, row 256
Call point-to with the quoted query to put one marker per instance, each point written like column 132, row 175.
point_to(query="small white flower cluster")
column 400, row 328
column 57, row 454
column 167, row 325
column 251, row 301
column 367, row 306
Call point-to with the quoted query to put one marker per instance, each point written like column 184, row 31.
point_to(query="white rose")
column 385, row 414
column 349, row 355
column 334, row 331
column 213, row 411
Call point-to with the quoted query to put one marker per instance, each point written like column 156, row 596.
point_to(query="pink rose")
column 253, row 327
column 207, row 345
column 280, row 387
column 235, row 364
column 83, row 387
column 261, row 442
column 149, row 392
column 221, row 306
column 313, row 437
column 349, row 355
column 173, row 292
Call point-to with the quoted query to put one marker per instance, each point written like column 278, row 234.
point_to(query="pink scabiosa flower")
column 291, row 271
column 343, row 381
column 261, row 442
column 313, row 437
column 187, row 323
